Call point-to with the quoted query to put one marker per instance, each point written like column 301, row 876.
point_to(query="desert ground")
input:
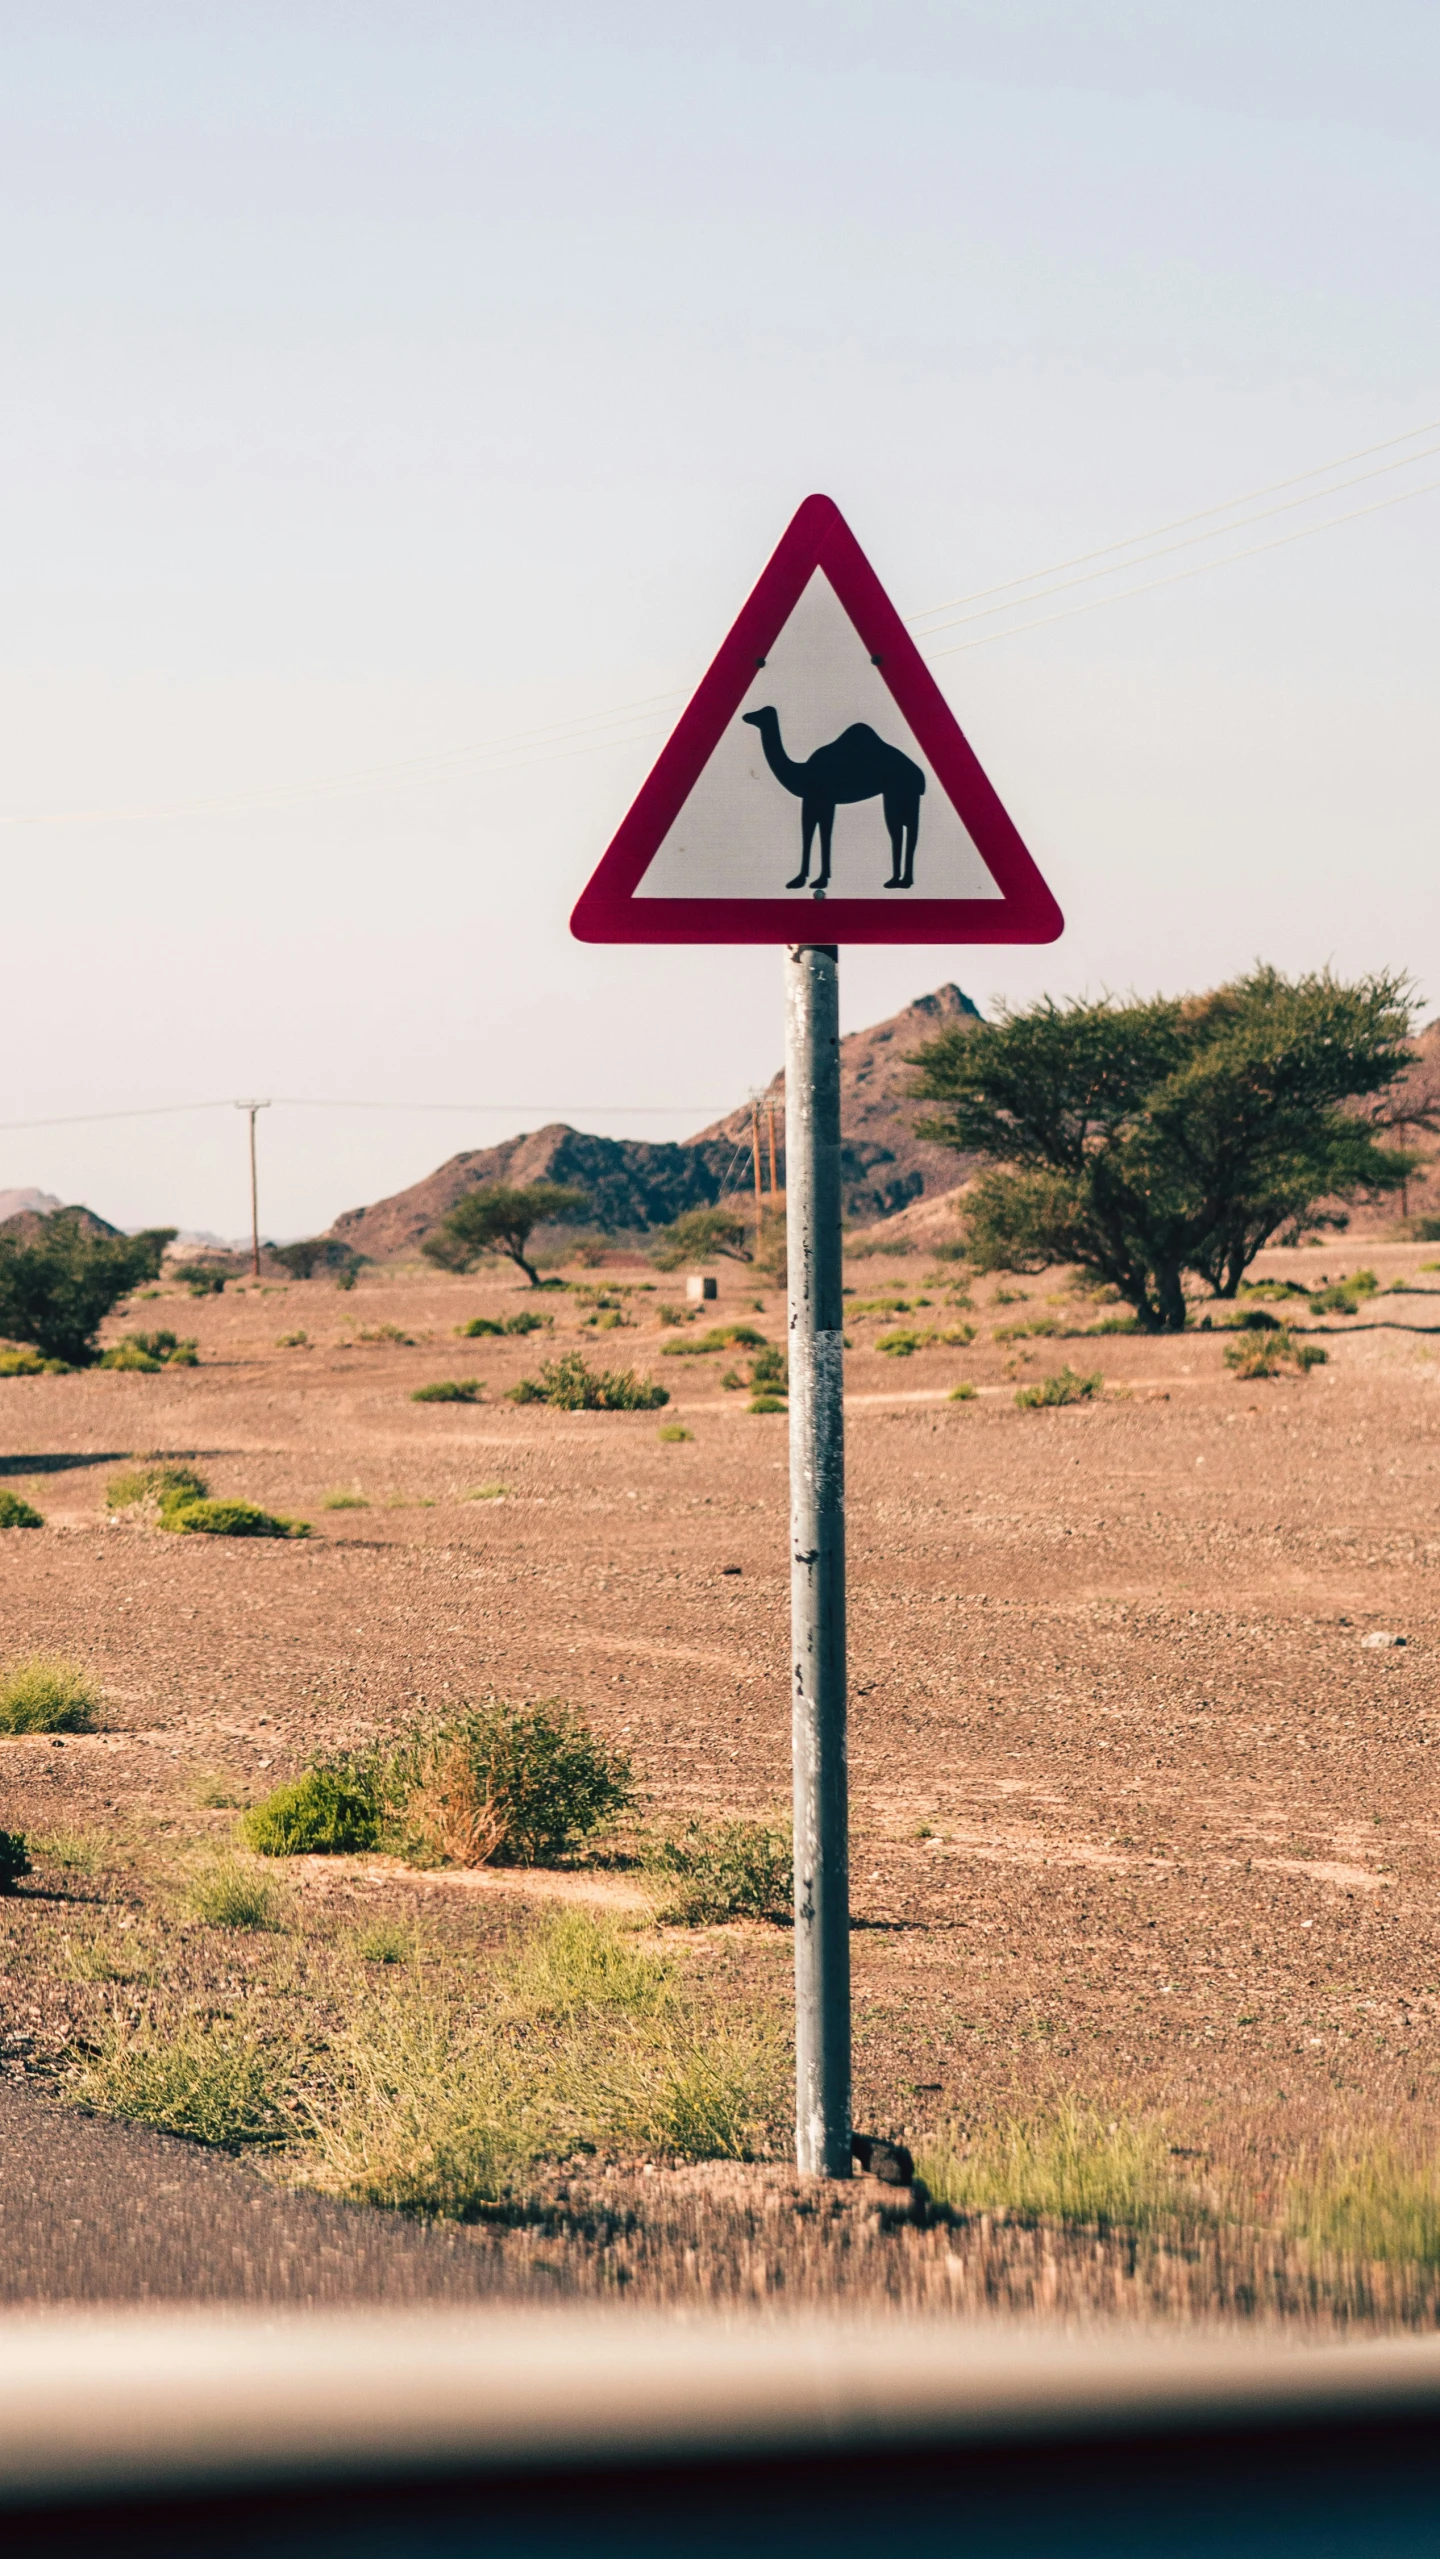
column 1144, row 1706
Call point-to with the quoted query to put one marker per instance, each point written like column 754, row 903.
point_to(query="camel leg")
column 912, row 838
column 808, row 816
column 896, row 826
column 827, row 822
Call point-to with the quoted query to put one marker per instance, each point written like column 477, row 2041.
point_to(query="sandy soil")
column 1139, row 1808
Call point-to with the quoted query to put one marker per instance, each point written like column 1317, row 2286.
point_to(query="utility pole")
column 817, row 1562
column 759, row 1178
column 252, row 1108
column 770, row 1118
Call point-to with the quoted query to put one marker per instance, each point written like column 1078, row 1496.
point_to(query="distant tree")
column 701, row 1235
column 500, row 1218
column 57, row 1289
column 318, row 1253
column 1145, row 1141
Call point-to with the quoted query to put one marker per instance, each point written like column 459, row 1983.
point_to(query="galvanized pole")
column 252, row 1108
column 817, row 1562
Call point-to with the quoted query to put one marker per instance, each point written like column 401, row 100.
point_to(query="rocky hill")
column 634, row 1184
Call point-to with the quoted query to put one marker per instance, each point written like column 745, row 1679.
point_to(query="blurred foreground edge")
column 555, row 2432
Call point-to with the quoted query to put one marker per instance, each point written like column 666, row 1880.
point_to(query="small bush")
column 374, row 1333
column 14, row 1859
column 516, row 1784
column 229, row 1519
column 203, row 1279
column 1042, row 1328
column 331, row 1808
column 766, row 1404
column 184, row 2075
column 229, row 1895
column 964, row 1393
column 770, row 1371
column 527, row 1321
column 673, row 1432
column 167, row 1485
column 47, row 1695
column 1265, row 1354
column 489, row 1493
column 151, row 1351
column 345, row 1502
column 1343, row 1297
column 714, row 1871
column 19, row 1360
column 477, row 1325
column 17, row 1513
column 1066, row 1387
column 449, row 1390
column 292, row 1341
column 573, row 1388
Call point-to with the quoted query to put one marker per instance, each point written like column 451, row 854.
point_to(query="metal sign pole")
column 817, row 1562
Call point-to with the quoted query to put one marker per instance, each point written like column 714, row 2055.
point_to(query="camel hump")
column 862, row 739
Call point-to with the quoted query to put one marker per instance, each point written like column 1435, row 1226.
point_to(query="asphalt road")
column 103, row 2212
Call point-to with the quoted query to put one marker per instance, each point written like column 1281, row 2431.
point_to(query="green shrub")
column 14, row 1859
column 318, row 1253
column 203, row 1279
column 19, row 1360
column 673, row 1432
column 345, row 1502
column 489, row 1493
column 964, row 1393
column 188, row 2076
column 44, row 1694
column 227, row 1894
column 766, row 1404
column 229, row 1519
column 1265, row 1354
column 1066, row 1387
column 477, row 1325
column 15, row 1512
column 770, row 1371
column 150, row 1351
column 386, row 1943
column 332, row 1807
column 449, row 1390
column 167, row 1485
column 571, row 1386
column 715, row 1871
column 516, row 1785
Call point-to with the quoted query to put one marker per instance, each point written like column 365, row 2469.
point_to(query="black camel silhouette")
column 857, row 765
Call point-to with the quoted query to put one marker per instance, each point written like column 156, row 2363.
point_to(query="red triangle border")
column 817, row 537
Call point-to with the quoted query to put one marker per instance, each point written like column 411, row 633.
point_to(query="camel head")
column 758, row 719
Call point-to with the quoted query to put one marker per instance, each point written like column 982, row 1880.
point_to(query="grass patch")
column 14, row 1859
column 1343, row 1297
column 672, row 1433
column 385, row 1943
column 188, row 2076
column 1374, row 2204
column 1266, row 1354
column 449, row 1390
column 227, row 1894
column 16, row 1512
column 292, row 1341
column 720, row 1337
column 75, row 1852
column 573, row 1388
column 1066, row 1387
column 767, row 1404
column 45, row 1694
column 330, row 1809
column 229, row 1519
column 1068, row 2166
column 714, row 1871
column 344, row 1502
column 964, row 1393
column 489, row 1493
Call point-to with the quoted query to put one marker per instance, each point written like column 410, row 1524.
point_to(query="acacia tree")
column 500, row 1218
column 701, row 1235
column 1145, row 1141
column 58, row 1285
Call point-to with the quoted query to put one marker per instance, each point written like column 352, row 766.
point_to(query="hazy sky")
column 382, row 382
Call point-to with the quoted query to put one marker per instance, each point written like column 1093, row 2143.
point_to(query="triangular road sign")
column 818, row 788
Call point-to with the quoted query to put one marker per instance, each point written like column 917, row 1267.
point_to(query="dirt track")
column 1136, row 1809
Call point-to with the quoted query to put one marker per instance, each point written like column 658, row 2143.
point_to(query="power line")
column 1177, row 523
column 1093, row 603
column 295, row 1102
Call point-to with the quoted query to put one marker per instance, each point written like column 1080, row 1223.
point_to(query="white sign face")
column 818, row 784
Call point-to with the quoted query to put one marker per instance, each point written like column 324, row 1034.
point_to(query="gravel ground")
column 1140, row 1808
